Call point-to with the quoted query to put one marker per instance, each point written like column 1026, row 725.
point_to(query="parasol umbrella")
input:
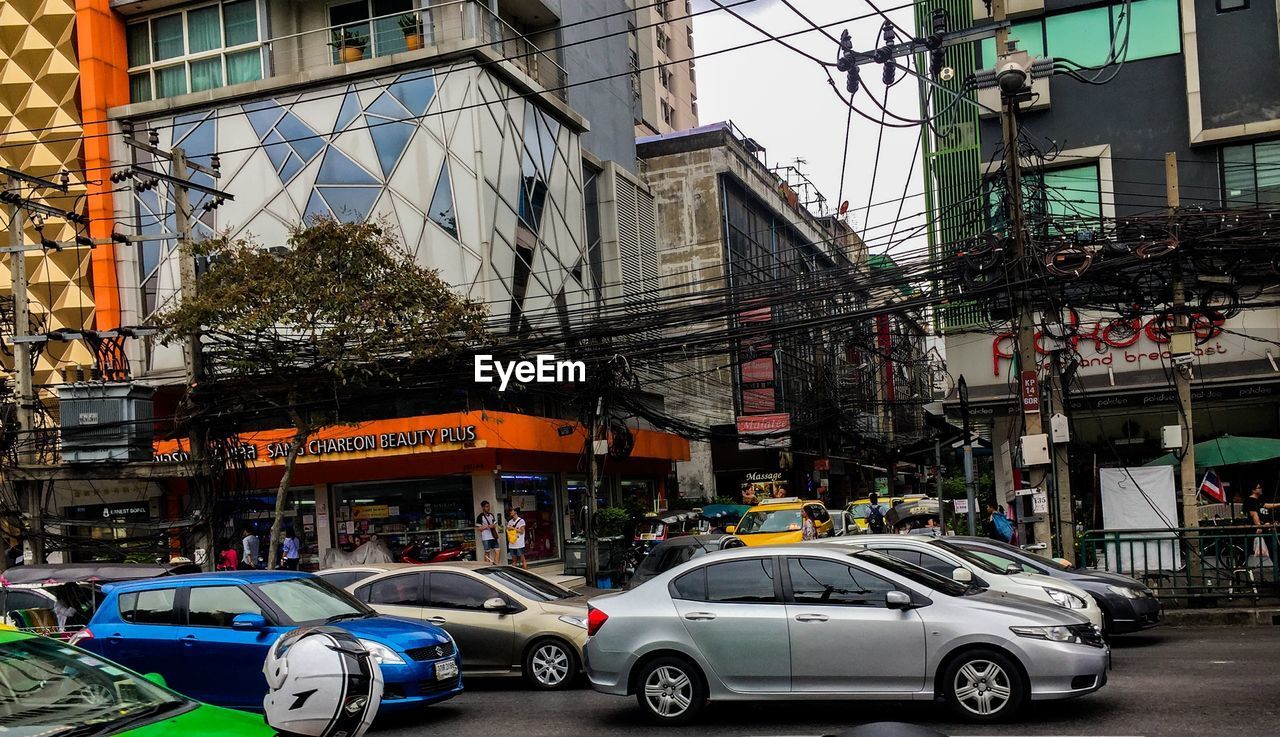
column 715, row 512
column 1226, row 451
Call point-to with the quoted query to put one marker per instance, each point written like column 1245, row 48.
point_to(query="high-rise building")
column 664, row 80
column 1196, row 78
column 454, row 122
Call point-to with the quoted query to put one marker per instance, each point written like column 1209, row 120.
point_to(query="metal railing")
column 1209, row 562
column 435, row 29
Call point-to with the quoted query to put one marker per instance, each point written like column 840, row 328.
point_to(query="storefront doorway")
column 576, row 503
column 255, row 510
column 536, row 497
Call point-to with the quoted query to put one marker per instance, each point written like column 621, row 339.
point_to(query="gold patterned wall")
column 40, row 134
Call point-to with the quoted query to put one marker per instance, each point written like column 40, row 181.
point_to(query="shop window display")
column 576, row 509
column 640, row 493
column 434, row 513
column 535, row 496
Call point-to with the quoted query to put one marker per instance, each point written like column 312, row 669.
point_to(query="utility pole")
column 1062, row 508
column 28, row 491
column 181, row 185
column 937, row 460
column 971, row 494
column 593, row 558
column 1182, row 343
column 1024, row 318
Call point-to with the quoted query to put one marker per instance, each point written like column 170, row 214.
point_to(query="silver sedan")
column 806, row 621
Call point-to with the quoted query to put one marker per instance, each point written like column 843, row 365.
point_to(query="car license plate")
column 446, row 669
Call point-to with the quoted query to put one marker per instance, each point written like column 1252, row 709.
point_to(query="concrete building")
column 452, row 122
column 728, row 223
column 1199, row 79
column 664, row 82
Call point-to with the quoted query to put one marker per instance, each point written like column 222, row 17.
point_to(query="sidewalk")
column 1233, row 617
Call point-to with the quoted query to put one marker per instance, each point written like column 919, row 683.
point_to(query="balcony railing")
column 445, row 28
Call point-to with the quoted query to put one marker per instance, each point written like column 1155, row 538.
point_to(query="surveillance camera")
column 1012, row 78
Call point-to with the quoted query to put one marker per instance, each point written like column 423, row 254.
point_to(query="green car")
column 48, row 688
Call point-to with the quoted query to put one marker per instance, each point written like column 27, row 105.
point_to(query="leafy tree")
column 343, row 308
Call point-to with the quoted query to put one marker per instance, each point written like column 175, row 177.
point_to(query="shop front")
column 420, row 480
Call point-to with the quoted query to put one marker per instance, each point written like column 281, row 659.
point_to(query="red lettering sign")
column 1118, row 334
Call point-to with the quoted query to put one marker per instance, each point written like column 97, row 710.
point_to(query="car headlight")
column 574, row 620
column 1053, row 634
column 1126, row 592
column 381, row 653
column 1065, row 599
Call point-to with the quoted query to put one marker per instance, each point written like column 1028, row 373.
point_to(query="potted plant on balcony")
column 411, row 26
column 349, row 45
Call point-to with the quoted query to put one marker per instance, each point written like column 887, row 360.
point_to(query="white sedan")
column 941, row 557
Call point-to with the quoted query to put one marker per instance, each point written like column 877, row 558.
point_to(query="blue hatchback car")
column 208, row 635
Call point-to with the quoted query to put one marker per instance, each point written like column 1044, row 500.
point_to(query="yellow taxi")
column 860, row 508
column 778, row 521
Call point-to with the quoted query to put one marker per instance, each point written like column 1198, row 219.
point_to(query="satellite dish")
column 844, row 207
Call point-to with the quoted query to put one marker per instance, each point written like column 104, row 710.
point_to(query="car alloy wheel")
column 552, row 664
column 982, row 687
column 668, row 691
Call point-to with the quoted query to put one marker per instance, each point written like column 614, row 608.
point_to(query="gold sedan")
column 505, row 620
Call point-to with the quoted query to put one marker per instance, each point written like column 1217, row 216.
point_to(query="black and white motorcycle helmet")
column 321, row 683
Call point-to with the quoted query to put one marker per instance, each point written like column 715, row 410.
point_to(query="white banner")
column 1142, row 498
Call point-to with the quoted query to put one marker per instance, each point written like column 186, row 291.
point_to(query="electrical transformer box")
column 106, row 422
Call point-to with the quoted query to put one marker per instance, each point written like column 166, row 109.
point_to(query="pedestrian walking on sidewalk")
column 291, row 551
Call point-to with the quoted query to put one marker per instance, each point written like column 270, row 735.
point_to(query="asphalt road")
column 1197, row 681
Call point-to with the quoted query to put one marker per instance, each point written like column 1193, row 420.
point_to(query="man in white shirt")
column 486, row 528
column 515, row 538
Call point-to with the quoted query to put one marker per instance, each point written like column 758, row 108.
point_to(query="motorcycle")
column 418, row 553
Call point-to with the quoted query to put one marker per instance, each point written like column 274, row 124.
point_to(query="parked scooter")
column 416, row 552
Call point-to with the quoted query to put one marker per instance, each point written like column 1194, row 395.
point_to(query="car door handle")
column 188, row 639
column 436, row 620
column 811, row 617
column 700, row 616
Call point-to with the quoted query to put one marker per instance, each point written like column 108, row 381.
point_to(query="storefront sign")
column 370, row 511
column 456, row 431
column 960, row 506
column 757, row 485
column 764, row 431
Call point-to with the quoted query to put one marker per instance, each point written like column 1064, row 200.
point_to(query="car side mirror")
column 1013, row 569
column 898, row 600
column 730, row 529
column 962, row 575
column 496, row 604
column 248, row 622
column 155, row 678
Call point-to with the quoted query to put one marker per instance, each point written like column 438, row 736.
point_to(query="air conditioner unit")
column 106, row 423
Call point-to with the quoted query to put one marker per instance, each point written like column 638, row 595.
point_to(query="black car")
column 1127, row 605
column 677, row 550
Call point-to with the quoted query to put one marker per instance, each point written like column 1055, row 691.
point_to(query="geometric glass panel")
column 350, row 109
column 263, row 116
column 441, row 211
column 350, row 204
column 389, row 140
column 415, row 91
column 300, row 136
column 387, row 107
column 338, row 168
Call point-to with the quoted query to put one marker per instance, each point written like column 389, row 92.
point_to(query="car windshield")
column 526, row 584
column 967, row 556
column 313, row 601
column 917, row 574
column 1003, row 554
column 778, row 520
column 862, row 510
column 48, row 688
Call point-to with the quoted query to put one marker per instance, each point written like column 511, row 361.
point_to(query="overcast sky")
column 783, row 101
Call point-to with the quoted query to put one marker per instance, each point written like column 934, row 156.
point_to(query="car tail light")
column 81, row 636
column 595, row 620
